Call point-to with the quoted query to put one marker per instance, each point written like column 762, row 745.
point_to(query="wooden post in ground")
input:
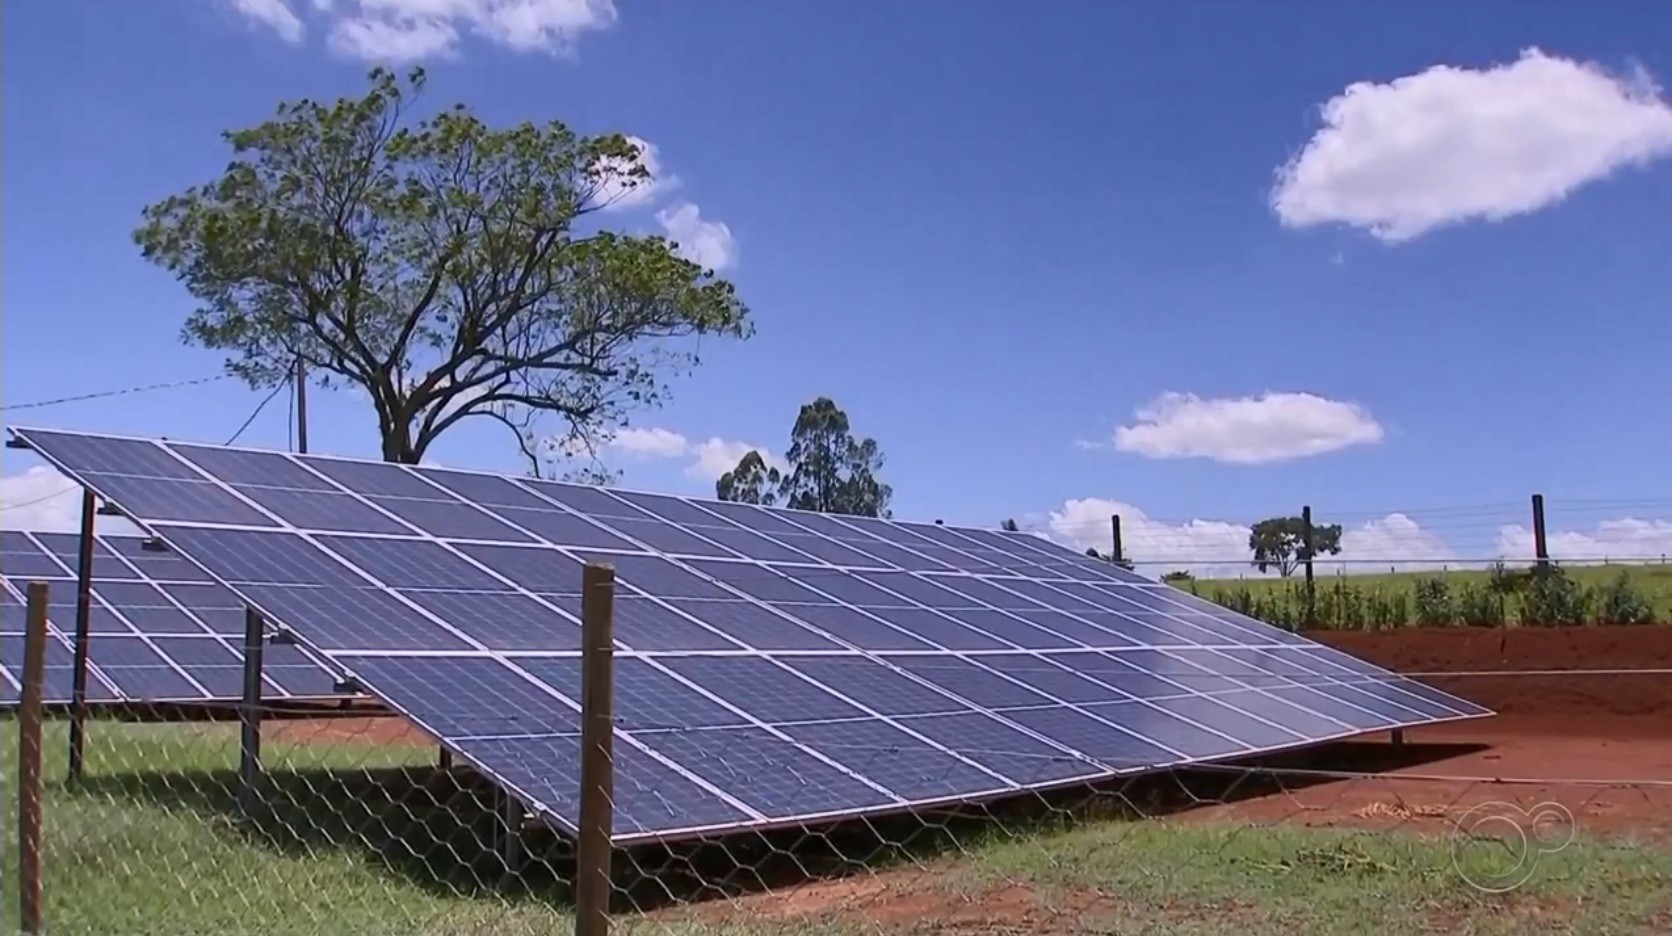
column 29, row 761
column 83, row 629
column 593, row 882
column 1541, row 547
column 1118, row 552
column 1306, row 553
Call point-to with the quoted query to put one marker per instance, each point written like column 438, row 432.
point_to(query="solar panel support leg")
column 443, row 759
column 83, row 625
column 508, row 823
column 593, row 856
column 249, row 717
column 1398, row 737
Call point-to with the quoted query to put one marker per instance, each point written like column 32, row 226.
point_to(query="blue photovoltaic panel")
column 773, row 666
column 160, row 629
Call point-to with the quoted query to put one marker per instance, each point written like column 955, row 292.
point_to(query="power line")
column 113, row 393
column 235, row 436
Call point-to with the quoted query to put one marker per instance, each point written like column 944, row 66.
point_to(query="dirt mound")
column 1501, row 650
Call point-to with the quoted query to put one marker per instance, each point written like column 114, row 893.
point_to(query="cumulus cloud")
column 401, row 31
column 1246, row 430
column 273, row 14
column 42, row 498
column 1219, row 549
column 705, row 243
column 1626, row 538
column 709, row 458
column 1449, row 144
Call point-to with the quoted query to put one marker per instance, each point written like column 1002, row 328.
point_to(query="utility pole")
column 301, row 406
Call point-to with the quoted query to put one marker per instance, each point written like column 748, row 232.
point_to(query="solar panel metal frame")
column 1097, row 769
column 63, row 634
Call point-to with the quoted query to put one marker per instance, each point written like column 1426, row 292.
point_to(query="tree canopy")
column 1279, row 542
column 828, row 470
column 439, row 264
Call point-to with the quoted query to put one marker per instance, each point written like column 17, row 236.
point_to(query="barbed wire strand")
column 235, row 436
column 125, row 391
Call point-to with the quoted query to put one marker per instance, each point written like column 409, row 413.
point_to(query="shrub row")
column 1532, row 599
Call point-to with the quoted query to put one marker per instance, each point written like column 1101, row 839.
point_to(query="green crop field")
column 1579, row 594
column 152, row 843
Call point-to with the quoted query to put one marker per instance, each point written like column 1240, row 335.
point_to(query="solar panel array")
column 773, row 666
column 159, row 628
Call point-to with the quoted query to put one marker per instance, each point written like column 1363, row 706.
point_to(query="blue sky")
column 995, row 233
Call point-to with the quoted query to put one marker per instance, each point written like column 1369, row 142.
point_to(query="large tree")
column 1280, row 542
column 448, row 268
column 828, row 470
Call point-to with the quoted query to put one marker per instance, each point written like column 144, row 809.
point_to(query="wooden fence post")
column 29, row 760
column 593, row 850
column 1541, row 548
column 1306, row 553
column 249, row 717
column 1114, row 529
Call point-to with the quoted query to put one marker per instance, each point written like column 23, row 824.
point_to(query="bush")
column 1384, row 611
column 1622, row 602
column 1551, row 599
column 1179, row 578
column 1432, row 598
column 1480, row 606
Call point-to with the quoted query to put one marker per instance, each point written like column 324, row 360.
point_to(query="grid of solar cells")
column 160, row 629
column 775, row 666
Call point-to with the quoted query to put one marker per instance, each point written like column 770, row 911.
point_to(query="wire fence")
column 340, row 820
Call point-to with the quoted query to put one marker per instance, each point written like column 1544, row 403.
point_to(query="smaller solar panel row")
column 160, row 629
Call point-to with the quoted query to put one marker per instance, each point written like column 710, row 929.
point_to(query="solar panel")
column 160, row 628
column 774, row 666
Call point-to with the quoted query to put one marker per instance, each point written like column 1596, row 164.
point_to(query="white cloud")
column 717, row 456
column 652, row 442
column 1451, row 144
column 274, row 14
column 1219, row 548
column 706, row 243
column 398, row 31
column 617, row 189
column 41, row 498
column 710, row 458
column 1627, row 538
column 1246, row 430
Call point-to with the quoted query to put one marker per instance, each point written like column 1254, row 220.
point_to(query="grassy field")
column 152, row 844
column 1393, row 599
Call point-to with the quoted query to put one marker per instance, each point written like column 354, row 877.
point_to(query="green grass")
column 151, row 843
column 1280, row 600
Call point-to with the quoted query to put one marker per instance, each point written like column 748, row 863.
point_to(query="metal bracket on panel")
column 347, row 685
column 15, row 442
column 284, row 637
column 107, row 509
column 153, row 544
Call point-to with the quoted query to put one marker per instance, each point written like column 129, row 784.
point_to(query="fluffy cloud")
column 706, row 243
column 1447, row 145
column 273, row 14
column 43, row 499
column 1246, row 430
column 1219, row 549
column 1627, row 538
column 710, row 458
column 399, row 31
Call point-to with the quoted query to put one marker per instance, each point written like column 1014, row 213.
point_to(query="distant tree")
column 1009, row 526
column 440, row 265
column 1178, row 577
column 828, row 470
column 753, row 481
column 1278, row 542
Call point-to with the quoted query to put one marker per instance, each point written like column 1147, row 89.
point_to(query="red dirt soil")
column 1473, row 649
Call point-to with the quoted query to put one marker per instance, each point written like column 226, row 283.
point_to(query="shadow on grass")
column 436, row 828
